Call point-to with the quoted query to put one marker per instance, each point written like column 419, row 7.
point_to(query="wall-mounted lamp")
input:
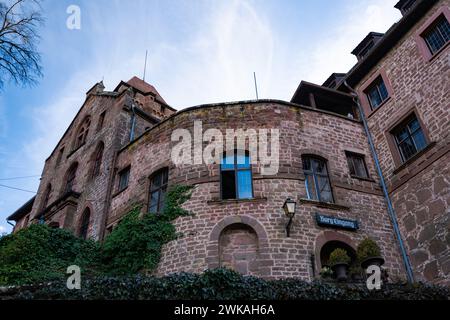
column 289, row 210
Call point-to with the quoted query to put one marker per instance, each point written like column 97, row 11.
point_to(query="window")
column 377, row 93
column 409, row 137
column 47, row 193
column 236, row 176
column 158, row 188
column 438, row 35
column 60, row 154
column 84, row 225
column 82, row 133
column 70, row 177
column 98, row 160
column 317, row 182
column 101, row 120
column 357, row 165
column 124, row 175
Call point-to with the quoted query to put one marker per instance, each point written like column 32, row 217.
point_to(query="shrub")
column 367, row 248
column 40, row 253
column 339, row 256
column 222, row 284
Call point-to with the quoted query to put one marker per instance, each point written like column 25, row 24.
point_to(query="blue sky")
column 198, row 52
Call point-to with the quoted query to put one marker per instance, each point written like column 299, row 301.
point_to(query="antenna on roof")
column 145, row 65
column 256, row 86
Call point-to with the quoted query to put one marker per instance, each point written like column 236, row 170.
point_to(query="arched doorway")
column 330, row 246
column 238, row 249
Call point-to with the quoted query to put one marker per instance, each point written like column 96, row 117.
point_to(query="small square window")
column 438, row 35
column 377, row 93
column 357, row 165
column 124, row 176
column 409, row 137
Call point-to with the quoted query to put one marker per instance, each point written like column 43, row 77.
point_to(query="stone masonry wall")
column 302, row 131
column 419, row 187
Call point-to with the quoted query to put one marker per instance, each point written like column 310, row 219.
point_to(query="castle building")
column 366, row 154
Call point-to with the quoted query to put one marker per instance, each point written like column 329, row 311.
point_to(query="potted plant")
column 326, row 272
column 369, row 253
column 339, row 261
column 356, row 272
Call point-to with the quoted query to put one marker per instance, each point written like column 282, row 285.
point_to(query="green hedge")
column 222, row 284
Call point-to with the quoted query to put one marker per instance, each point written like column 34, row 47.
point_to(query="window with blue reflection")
column 236, row 176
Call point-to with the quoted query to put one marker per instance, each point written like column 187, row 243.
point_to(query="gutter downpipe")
column 10, row 223
column 133, row 122
column 390, row 208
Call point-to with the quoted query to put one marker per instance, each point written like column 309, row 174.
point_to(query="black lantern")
column 289, row 210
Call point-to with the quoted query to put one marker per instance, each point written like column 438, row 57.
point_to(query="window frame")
column 350, row 155
column 375, row 85
column 101, row 121
column 83, row 229
column 325, row 161
column 366, row 85
column 395, row 152
column 410, row 136
column 422, row 45
column 97, row 160
column 432, row 28
column 72, row 174
column 159, row 206
column 236, row 170
column 119, row 178
column 82, row 133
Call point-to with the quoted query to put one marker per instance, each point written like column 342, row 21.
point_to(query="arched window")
column 98, row 155
column 82, row 132
column 236, row 176
column 158, row 188
column 317, row 181
column 46, row 198
column 84, row 225
column 70, row 177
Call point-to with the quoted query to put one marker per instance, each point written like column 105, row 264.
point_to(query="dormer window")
column 366, row 45
column 404, row 6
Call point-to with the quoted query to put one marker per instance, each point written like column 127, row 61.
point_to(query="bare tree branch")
column 19, row 58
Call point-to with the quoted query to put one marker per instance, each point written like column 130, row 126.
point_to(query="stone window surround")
column 421, row 43
column 391, row 139
column 212, row 250
column 323, row 238
column 365, row 104
column 330, row 170
column 86, row 211
column 149, row 183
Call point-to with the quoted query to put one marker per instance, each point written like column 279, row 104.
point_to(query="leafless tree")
column 19, row 58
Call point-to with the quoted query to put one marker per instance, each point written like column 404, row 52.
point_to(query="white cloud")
column 332, row 51
column 214, row 63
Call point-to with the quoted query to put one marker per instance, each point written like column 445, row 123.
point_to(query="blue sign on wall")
column 327, row 221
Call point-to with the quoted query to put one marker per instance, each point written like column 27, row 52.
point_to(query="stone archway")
column 240, row 243
column 326, row 241
column 238, row 249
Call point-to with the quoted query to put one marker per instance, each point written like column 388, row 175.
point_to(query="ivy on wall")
column 40, row 253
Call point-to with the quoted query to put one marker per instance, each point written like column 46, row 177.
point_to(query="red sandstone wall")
column 301, row 131
column 419, row 188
